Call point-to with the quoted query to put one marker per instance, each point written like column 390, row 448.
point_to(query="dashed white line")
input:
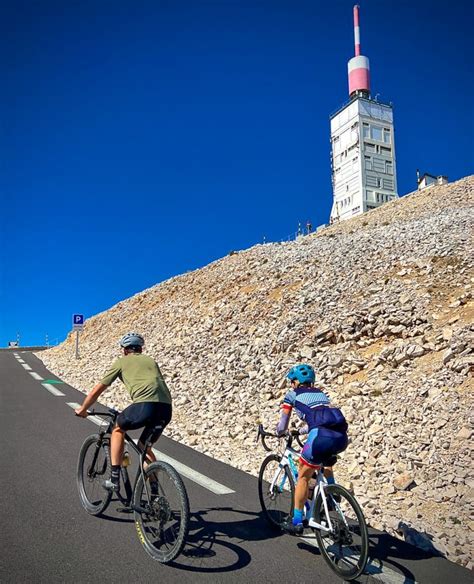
column 194, row 475
column 26, row 366
column 53, row 390
column 94, row 419
column 36, row 376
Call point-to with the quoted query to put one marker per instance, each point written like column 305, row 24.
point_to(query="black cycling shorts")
column 147, row 415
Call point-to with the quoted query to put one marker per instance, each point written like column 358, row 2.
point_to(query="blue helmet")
column 303, row 373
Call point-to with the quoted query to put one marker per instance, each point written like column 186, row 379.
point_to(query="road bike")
column 332, row 512
column 158, row 497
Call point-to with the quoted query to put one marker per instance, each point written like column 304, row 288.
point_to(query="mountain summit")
column 381, row 305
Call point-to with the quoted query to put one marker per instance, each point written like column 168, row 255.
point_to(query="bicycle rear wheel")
column 162, row 524
column 346, row 547
column 93, row 468
column 278, row 501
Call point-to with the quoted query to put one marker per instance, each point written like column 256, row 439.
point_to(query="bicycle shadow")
column 384, row 552
column 205, row 535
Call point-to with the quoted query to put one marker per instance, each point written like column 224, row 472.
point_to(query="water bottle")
column 293, row 467
column 126, row 459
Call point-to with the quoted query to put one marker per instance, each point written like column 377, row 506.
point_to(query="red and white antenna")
column 358, row 67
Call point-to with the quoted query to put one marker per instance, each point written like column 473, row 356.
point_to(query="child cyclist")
column 327, row 434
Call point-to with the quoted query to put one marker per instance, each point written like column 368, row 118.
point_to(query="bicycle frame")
column 126, row 501
column 339, row 537
column 287, row 461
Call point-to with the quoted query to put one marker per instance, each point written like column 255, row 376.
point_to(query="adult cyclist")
column 151, row 400
column 327, row 434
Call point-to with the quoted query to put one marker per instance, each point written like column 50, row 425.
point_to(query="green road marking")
column 53, row 381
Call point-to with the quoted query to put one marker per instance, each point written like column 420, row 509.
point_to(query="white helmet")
column 132, row 340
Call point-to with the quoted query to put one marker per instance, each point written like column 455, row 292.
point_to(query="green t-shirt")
column 141, row 376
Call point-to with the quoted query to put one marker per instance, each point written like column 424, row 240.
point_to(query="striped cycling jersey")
column 305, row 400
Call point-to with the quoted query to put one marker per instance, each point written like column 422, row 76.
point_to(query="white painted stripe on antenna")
column 36, row 376
column 26, row 366
column 357, row 35
column 53, row 390
column 359, row 62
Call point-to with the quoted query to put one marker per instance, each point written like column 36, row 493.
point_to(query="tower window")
column 377, row 133
column 386, row 136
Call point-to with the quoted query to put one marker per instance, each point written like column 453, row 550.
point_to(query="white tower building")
column 362, row 145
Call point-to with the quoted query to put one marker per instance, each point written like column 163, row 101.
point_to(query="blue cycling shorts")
column 322, row 443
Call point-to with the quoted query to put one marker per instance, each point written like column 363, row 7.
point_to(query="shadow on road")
column 209, row 549
column 385, row 552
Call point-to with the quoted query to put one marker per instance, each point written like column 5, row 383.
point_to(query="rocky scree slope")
column 381, row 305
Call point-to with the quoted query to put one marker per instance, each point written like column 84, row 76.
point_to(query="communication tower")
column 362, row 144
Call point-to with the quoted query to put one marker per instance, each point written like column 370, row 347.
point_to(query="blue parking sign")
column 77, row 319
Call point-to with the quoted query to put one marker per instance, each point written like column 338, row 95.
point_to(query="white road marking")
column 194, row 475
column 378, row 572
column 375, row 569
column 94, row 419
column 20, row 360
column 26, row 366
column 186, row 471
column 36, row 376
column 52, row 389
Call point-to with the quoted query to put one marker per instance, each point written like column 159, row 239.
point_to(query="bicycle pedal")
column 111, row 486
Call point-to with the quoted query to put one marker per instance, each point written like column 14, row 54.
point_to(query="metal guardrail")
column 19, row 349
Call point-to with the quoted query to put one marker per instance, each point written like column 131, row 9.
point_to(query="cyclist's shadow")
column 200, row 553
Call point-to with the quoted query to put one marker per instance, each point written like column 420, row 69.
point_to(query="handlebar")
column 110, row 413
column 289, row 436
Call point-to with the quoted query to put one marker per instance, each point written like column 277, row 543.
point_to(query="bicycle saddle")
column 329, row 460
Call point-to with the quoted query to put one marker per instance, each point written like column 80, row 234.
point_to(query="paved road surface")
column 48, row 537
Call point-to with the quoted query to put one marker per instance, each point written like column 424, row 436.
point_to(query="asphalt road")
column 47, row 536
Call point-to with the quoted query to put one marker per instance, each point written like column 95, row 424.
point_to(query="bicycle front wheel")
column 93, row 468
column 161, row 512
column 346, row 547
column 276, row 491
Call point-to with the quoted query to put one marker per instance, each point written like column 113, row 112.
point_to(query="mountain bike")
column 332, row 512
column 158, row 497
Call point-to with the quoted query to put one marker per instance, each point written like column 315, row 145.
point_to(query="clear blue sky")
column 143, row 139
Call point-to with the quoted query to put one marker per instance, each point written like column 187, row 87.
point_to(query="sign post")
column 78, row 326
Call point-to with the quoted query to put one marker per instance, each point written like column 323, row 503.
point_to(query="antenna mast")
column 358, row 67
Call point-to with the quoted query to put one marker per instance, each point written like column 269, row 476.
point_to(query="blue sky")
column 143, row 139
